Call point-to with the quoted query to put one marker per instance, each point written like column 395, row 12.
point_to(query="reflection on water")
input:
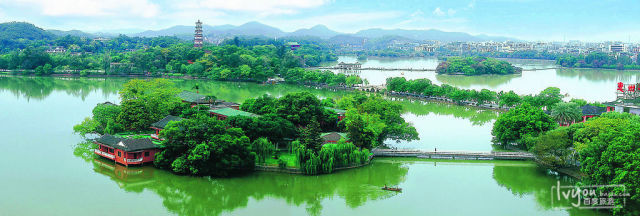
column 185, row 195
column 439, row 187
column 42, row 177
column 474, row 82
column 436, row 122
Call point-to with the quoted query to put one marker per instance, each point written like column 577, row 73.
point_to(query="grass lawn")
column 286, row 156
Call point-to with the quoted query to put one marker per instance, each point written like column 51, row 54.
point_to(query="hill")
column 320, row 31
column 426, row 35
column 23, row 30
column 77, row 33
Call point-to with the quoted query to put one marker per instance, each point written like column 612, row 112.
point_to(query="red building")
column 589, row 111
column 160, row 125
column 340, row 112
column 126, row 151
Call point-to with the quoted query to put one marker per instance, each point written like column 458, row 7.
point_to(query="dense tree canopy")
column 374, row 118
column 598, row 60
column 514, row 125
column 205, row 146
column 476, row 66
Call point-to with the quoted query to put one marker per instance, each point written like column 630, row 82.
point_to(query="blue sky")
column 547, row 20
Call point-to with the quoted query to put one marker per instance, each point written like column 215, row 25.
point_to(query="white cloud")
column 262, row 7
column 92, row 8
column 438, row 12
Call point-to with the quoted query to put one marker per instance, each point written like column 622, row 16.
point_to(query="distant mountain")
column 255, row 28
column 10, row 31
column 76, row 33
column 320, row 31
column 347, row 39
column 426, row 35
column 186, row 32
column 171, row 31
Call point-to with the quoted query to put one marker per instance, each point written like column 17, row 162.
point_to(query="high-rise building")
column 617, row 48
column 197, row 38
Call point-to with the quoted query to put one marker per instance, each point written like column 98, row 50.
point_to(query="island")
column 471, row 66
column 193, row 134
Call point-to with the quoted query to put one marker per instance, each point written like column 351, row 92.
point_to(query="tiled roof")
column 191, row 97
column 126, row 144
column 333, row 136
column 163, row 123
column 592, row 110
column 232, row 112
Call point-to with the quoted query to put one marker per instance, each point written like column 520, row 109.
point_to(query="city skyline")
column 523, row 19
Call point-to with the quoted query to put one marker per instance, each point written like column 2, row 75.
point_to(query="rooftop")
column 192, row 97
column 592, row 110
column 232, row 112
column 333, row 136
column 124, row 144
column 163, row 123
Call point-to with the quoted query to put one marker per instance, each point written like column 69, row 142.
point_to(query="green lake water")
column 47, row 171
column 588, row 84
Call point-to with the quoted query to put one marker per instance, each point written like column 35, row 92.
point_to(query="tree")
column 522, row 120
column 553, row 148
column 566, row 113
column 310, row 136
column 300, row 108
column 145, row 102
column 485, row 95
column 508, row 99
column 395, row 127
column 609, row 152
column 546, row 98
column 363, row 129
column 263, row 149
column 205, row 146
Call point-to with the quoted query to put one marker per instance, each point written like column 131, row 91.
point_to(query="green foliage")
column 364, row 129
column 546, row 98
column 87, row 126
column 271, row 126
column 145, row 102
column 310, row 136
column 553, row 148
column 330, row 157
column 263, row 149
column 598, row 60
column 379, row 117
column 427, row 88
column 204, row 146
column 508, row 99
column 524, row 119
column 476, row 66
column 608, row 150
column 566, row 113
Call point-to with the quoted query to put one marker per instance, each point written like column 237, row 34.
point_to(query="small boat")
column 392, row 188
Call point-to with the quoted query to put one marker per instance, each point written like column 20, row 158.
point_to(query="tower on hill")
column 197, row 38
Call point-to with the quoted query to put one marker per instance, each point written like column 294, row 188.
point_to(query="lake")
column 47, row 170
column 589, row 84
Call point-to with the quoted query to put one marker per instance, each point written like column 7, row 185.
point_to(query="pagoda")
column 197, row 38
